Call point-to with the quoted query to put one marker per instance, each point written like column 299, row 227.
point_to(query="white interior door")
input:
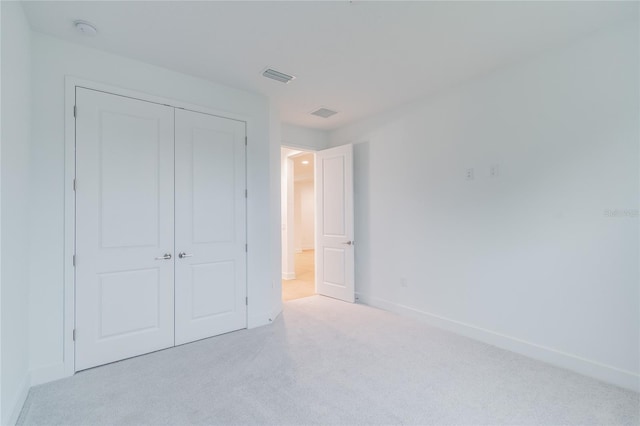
column 334, row 223
column 124, row 228
column 210, row 226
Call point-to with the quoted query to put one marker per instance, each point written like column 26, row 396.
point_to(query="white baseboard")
column 15, row 408
column 587, row 367
column 47, row 374
column 276, row 313
column 258, row 320
column 288, row 275
column 264, row 318
column 35, row 377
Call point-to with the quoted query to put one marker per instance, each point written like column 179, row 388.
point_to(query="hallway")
column 305, row 283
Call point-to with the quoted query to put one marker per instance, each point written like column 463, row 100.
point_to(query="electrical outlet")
column 494, row 171
column 470, row 174
column 403, row 282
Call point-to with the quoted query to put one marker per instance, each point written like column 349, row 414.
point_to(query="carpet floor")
column 330, row 362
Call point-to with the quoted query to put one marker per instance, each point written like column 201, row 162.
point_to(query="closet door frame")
column 69, row 300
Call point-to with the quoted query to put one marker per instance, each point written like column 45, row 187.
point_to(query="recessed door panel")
column 128, row 179
column 213, row 289
column 214, row 207
column 136, row 313
column 124, row 227
column 334, row 266
column 333, row 193
column 210, row 226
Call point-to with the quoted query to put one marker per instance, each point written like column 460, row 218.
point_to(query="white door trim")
column 71, row 83
column 286, row 243
column 288, row 260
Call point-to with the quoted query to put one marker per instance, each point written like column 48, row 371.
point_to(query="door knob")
column 166, row 256
column 182, row 255
column 349, row 243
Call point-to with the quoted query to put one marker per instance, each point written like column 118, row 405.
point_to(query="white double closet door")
column 160, row 227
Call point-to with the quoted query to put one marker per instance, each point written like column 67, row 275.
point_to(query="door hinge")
column 246, row 193
column 246, row 141
column 74, row 184
column 74, row 334
column 74, row 260
column 75, row 111
column 246, row 247
column 246, row 301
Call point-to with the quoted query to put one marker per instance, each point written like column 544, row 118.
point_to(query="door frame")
column 300, row 149
column 69, row 300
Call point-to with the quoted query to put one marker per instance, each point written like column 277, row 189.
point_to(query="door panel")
column 213, row 185
column 333, row 196
column 210, row 294
column 128, row 174
column 124, row 221
column 334, row 213
column 210, row 226
column 138, row 311
column 334, row 266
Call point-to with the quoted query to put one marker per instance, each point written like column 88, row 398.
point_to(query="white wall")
column 303, row 137
column 304, row 215
column 275, row 137
column 1, row 72
column 531, row 260
column 52, row 60
column 16, row 120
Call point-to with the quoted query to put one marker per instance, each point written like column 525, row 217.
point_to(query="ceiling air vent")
column 323, row 112
column 277, row 75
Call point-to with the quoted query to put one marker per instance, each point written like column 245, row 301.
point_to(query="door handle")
column 182, row 255
column 166, row 256
column 349, row 243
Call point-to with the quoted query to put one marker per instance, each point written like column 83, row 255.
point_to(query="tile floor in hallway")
column 305, row 284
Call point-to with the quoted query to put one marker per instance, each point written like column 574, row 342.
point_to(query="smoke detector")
column 324, row 112
column 85, row 28
column 277, row 75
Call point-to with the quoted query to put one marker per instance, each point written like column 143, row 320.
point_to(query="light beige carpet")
column 305, row 283
column 327, row 362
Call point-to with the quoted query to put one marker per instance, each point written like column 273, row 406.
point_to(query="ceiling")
column 302, row 171
column 357, row 58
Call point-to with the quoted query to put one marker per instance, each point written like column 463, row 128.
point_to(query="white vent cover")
column 277, row 75
column 323, row 112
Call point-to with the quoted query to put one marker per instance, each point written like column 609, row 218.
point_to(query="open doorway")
column 298, row 224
